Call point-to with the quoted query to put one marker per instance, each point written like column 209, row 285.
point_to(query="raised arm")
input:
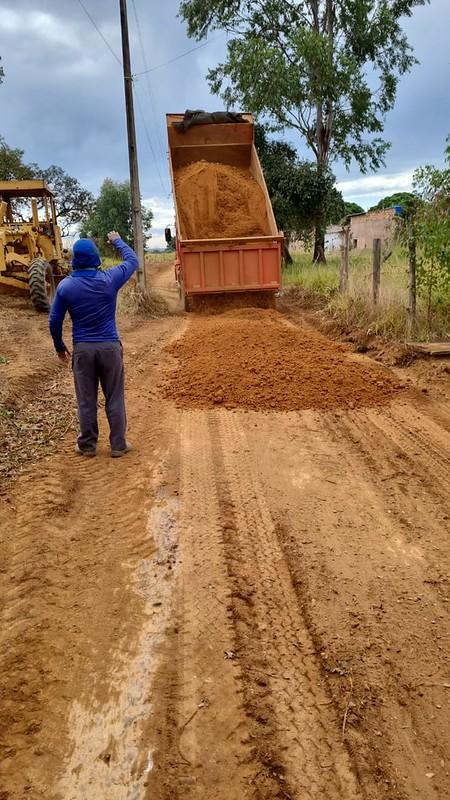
column 121, row 274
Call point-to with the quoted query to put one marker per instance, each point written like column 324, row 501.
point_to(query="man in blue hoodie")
column 89, row 295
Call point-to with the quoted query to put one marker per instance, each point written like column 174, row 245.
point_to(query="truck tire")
column 185, row 300
column 41, row 284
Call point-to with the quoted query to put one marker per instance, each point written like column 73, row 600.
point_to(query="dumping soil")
column 252, row 359
column 217, row 201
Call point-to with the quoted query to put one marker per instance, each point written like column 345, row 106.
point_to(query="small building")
column 333, row 238
column 364, row 228
column 370, row 225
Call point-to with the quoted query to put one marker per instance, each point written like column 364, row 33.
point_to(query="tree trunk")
column 286, row 254
column 319, row 239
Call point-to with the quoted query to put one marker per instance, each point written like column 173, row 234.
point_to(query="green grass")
column 319, row 285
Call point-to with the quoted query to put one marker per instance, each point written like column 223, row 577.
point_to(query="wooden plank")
column 431, row 348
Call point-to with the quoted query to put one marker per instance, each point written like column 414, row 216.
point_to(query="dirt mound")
column 219, row 201
column 252, row 359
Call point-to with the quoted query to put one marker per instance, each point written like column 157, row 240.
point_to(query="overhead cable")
column 176, row 58
column 150, row 94
column 119, row 60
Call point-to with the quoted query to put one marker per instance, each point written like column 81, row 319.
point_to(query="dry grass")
column 133, row 301
column 36, row 428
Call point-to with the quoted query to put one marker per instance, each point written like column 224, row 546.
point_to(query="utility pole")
column 132, row 149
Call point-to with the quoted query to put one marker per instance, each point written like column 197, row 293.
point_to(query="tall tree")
column 12, row 166
column 396, row 199
column 74, row 203
column 112, row 211
column 297, row 189
column 327, row 68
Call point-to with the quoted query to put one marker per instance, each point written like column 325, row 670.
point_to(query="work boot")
column 88, row 453
column 120, row 453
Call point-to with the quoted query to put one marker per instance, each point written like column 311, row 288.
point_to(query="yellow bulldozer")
column 32, row 260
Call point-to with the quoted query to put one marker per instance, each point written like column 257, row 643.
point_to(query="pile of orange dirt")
column 217, row 201
column 253, row 359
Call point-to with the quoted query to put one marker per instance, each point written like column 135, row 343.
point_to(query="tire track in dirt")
column 426, row 443
column 212, row 757
column 370, row 586
column 416, row 456
column 295, row 711
column 112, row 754
column 77, row 538
column 55, row 517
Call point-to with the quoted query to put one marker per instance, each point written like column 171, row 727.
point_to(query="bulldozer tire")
column 41, row 284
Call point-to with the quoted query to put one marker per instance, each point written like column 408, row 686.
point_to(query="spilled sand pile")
column 218, row 201
column 250, row 359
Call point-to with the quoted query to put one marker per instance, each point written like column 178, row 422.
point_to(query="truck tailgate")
column 226, row 265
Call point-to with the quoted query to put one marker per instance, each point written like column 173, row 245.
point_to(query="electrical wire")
column 147, row 134
column 149, row 69
column 119, row 60
column 150, row 94
column 177, row 58
column 145, row 72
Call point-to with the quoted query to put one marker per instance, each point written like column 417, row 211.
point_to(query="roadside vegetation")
column 317, row 286
column 414, row 301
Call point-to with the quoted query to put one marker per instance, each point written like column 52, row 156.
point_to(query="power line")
column 92, row 20
column 99, row 32
column 149, row 69
column 150, row 93
column 147, row 133
column 176, row 58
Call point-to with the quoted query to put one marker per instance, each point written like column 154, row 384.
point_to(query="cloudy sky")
column 62, row 98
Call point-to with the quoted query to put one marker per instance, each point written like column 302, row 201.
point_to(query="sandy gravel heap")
column 219, row 201
column 251, row 359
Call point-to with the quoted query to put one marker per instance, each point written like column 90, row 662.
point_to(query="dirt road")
column 253, row 604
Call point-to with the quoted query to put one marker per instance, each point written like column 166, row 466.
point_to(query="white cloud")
column 163, row 211
column 163, row 215
column 38, row 24
column 374, row 185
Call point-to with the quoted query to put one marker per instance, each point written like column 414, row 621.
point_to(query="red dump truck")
column 226, row 264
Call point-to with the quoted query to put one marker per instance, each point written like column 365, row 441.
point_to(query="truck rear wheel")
column 185, row 300
column 41, row 284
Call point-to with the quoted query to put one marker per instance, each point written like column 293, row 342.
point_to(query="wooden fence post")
column 343, row 277
column 412, row 283
column 376, row 271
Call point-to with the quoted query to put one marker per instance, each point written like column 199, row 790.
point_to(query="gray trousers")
column 101, row 363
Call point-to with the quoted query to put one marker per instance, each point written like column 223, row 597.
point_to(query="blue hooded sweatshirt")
column 89, row 295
